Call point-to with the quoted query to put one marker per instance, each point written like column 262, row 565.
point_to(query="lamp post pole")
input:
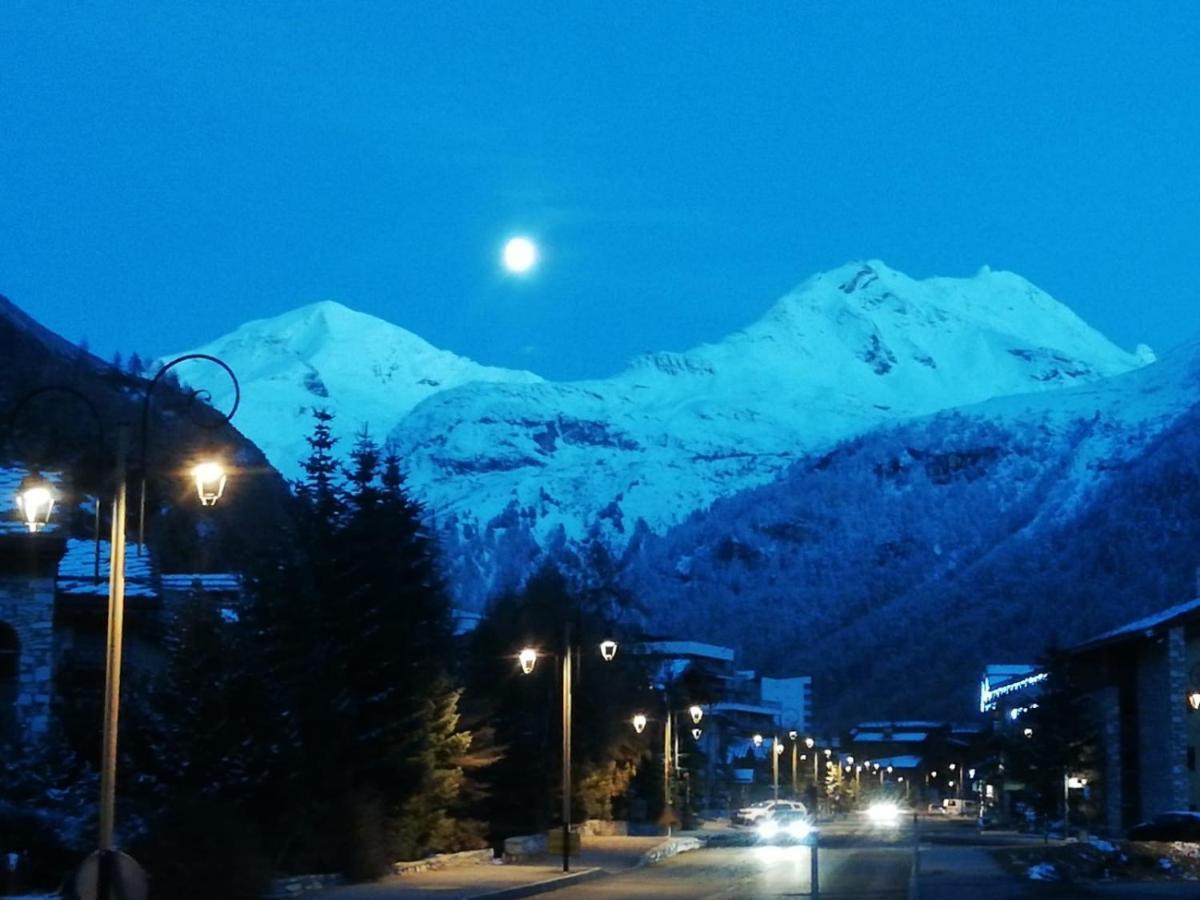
column 775, row 748
column 566, row 749
column 112, row 672
column 795, row 779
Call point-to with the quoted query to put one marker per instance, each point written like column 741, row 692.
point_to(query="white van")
column 954, row 806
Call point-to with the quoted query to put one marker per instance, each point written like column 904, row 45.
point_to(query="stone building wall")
column 27, row 606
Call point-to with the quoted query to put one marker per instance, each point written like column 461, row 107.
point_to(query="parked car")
column 1179, row 825
column 956, row 806
column 783, row 826
column 748, row 815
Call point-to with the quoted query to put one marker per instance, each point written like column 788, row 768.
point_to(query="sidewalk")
column 954, row 872
column 600, row 856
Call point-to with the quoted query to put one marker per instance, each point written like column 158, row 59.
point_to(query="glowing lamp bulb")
column 778, row 748
column 639, row 723
column 757, row 740
column 696, row 713
column 35, row 502
column 608, row 650
column 808, row 742
column 1194, row 699
column 696, row 732
column 210, row 482
column 528, row 659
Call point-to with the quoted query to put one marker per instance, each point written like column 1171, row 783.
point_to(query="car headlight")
column 799, row 830
column 883, row 813
column 768, row 829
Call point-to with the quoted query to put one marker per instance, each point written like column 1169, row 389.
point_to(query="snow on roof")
column 1136, row 628
column 209, row 582
column 685, row 648
column 77, row 568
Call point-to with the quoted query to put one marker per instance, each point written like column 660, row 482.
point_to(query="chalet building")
column 1144, row 679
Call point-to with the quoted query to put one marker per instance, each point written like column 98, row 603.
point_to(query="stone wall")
column 1162, row 724
column 27, row 606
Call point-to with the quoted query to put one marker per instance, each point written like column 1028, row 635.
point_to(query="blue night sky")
column 168, row 171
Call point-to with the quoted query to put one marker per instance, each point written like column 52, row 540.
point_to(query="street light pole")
column 775, row 748
column 112, row 672
column 566, row 749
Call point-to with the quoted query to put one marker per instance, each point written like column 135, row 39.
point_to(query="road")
column 855, row 860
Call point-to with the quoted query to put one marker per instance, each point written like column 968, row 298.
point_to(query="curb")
column 668, row 848
column 544, row 887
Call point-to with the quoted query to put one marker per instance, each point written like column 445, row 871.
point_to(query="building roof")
column 209, row 582
column 1140, row 627
column 77, row 571
column 905, row 761
column 684, row 649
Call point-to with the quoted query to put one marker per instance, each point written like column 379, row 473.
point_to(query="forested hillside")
column 902, row 562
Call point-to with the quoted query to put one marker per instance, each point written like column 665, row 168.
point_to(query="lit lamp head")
column 639, row 722
column 952, row 767
column 608, row 650
column 35, row 500
column 1193, row 698
column 808, row 742
column 527, row 658
column 970, row 773
column 793, row 735
column 757, row 740
column 210, row 482
column 696, row 713
column 850, row 760
column 778, row 747
column 696, row 732
column 891, row 770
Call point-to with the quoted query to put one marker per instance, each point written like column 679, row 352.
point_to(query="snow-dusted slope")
column 846, row 351
column 367, row 371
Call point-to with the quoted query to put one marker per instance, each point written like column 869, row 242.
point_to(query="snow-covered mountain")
column 325, row 355
column 848, row 350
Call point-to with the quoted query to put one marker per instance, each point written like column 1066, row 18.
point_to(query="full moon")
column 520, row 255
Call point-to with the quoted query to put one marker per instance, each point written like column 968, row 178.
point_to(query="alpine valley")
column 881, row 475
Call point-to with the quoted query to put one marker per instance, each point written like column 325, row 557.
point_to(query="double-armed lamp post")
column 671, row 743
column 36, row 503
column 527, row 659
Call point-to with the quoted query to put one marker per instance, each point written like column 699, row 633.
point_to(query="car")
column 1178, row 825
column 783, row 826
column 748, row 815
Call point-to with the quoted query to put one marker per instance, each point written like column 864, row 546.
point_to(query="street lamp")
column 210, row 482
column 608, row 650
column 527, row 659
column 696, row 713
column 35, row 500
column 696, row 732
column 758, row 739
